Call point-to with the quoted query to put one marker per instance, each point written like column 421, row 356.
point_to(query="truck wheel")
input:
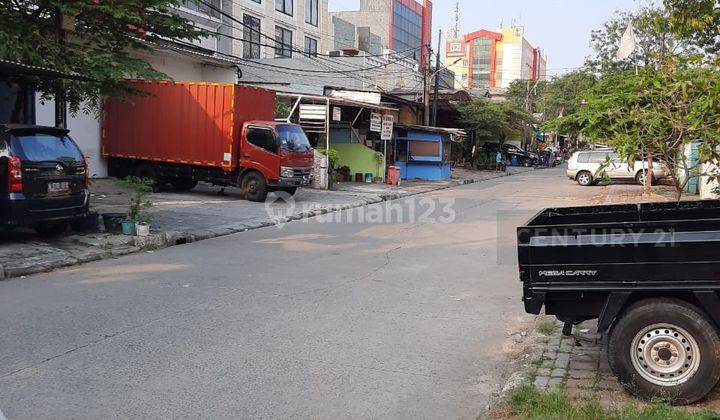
column 254, row 187
column 584, row 178
column 665, row 348
column 184, row 184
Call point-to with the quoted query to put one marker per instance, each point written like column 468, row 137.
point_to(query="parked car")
column 224, row 134
column 585, row 167
column 45, row 178
column 523, row 157
column 648, row 273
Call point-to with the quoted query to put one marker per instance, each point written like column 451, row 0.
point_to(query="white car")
column 583, row 167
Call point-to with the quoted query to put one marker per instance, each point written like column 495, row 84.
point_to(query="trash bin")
column 368, row 177
column 393, row 175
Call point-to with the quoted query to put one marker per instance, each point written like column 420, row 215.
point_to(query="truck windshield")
column 45, row 147
column 293, row 138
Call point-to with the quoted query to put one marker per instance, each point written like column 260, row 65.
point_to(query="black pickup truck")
column 649, row 273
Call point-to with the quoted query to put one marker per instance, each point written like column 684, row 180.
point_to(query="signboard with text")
column 387, row 127
column 376, row 122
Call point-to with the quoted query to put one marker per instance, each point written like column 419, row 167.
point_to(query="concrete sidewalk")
column 203, row 213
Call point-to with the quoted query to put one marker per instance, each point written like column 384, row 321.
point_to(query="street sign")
column 376, row 122
column 387, row 127
column 337, row 113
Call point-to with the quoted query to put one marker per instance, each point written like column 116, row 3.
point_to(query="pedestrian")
column 498, row 161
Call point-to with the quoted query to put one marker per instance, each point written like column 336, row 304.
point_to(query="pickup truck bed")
column 620, row 263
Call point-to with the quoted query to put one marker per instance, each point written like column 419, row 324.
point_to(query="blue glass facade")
column 406, row 29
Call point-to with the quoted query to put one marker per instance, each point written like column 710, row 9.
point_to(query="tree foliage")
column 653, row 34
column 698, row 21
column 489, row 121
column 658, row 110
column 101, row 47
column 493, row 121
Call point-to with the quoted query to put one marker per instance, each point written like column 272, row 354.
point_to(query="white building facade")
column 269, row 29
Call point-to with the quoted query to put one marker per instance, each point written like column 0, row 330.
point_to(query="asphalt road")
column 397, row 316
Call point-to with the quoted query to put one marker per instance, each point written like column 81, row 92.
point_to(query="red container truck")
column 179, row 133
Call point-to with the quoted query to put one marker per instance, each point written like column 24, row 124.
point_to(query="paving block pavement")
column 578, row 366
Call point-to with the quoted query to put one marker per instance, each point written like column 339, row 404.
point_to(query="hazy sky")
column 561, row 27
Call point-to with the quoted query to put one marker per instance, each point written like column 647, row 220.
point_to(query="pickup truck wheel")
column 254, row 187
column 584, row 178
column 665, row 348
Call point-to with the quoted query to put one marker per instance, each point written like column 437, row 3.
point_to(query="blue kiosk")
column 424, row 152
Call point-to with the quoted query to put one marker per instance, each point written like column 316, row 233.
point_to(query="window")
column 310, row 47
column 293, row 138
column 251, row 37
column 263, row 138
column 583, row 157
column 283, row 42
column 311, row 12
column 45, row 147
column 598, row 157
column 284, row 6
column 406, row 30
column 212, row 7
column 481, row 62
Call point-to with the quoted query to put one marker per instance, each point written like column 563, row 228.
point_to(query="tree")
column 660, row 110
column 491, row 121
column 561, row 101
column 654, row 38
column 698, row 21
column 100, row 45
column 526, row 94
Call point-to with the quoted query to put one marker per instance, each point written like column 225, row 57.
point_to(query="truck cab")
column 280, row 152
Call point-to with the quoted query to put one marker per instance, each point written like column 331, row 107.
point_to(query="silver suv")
column 584, row 167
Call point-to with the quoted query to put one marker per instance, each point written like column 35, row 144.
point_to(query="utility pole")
column 426, row 88
column 437, row 81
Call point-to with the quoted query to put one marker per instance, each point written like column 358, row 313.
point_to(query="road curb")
column 167, row 239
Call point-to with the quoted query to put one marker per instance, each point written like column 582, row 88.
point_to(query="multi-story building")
column 281, row 28
column 269, row 29
column 404, row 26
column 486, row 59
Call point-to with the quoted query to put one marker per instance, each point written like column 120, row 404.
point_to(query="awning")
column 456, row 135
column 336, row 101
column 18, row 70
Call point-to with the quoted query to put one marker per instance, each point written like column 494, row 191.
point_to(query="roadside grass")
column 529, row 402
column 546, row 327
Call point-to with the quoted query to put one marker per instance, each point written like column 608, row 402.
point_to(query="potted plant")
column 142, row 224
column 137, row 216
column 333, row 162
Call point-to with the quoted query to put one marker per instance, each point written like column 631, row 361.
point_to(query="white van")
column 583, row 167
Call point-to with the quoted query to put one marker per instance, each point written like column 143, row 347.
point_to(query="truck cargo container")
column 179, row 133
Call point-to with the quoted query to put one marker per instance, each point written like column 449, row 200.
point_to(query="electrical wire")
column 282, row 45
